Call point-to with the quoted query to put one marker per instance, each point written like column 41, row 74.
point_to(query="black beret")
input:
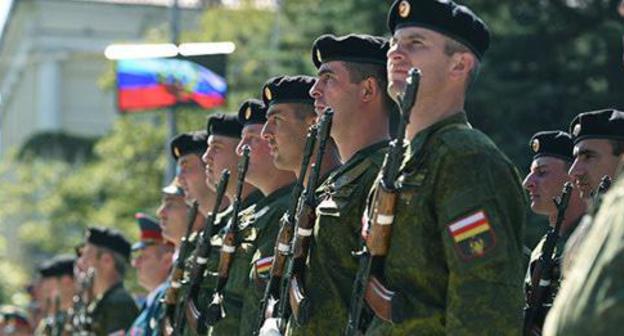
column 603, row 124
column 224, row 125
column 189, row 143
column 173, row 188
column 552, row 143
column 355, row 48
column 110, row 239
column 288, row 89
column 252, row 111
column 46, row 269
column 63, row 265
column 445, row 17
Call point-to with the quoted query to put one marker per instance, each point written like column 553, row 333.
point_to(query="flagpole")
column 170, row 170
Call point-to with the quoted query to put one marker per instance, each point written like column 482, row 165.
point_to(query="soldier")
column 224, row 136
column 598, row 147
column 173, row 215
column 455, row 258
column 45, row 296
column 260, row 223
column 57, row 281
column 107, row 253
column 152, row 260
column 352, row 81
column 14, row 322
column 590, row 301
column 549, row 171
column 187, row 149
column 290, row 113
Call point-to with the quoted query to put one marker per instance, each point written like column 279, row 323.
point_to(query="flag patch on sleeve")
column 473, row 235
column 264, row 265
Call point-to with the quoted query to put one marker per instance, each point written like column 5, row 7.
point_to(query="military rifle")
column 170, row 300
column 292, row 287
column 215, row 311
column 285, row 235
column 80, row 320
column 542, row 275
column 377, row 232
column 603, row 187
column 202, row 252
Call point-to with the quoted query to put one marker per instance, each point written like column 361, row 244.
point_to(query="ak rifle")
column 367, row 287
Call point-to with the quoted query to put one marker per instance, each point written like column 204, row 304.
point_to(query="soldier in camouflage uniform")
column 598, row 147
column 591, row 300
column 224, row 136
column 352, row 81
column 260, row 223
column 187, row 149
column 152, row 260
column 549, row 171
column 112, row 309
column 455, row 260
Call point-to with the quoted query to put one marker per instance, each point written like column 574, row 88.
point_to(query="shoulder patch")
column 472, row 235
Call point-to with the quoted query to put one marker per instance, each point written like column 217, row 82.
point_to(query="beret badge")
column 248, row 113
column 404, row 9
column 267, row 93
column 318, row 55
column 577, row 130
column 176, row 150
column 535, row 145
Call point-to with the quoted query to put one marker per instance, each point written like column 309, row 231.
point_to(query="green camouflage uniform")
column 332, row 267
column 241, row 261
column 456, row 254
column 591, row 299
column 261, row 228
column 557, row 276
column 113, row 311
column 237, row 282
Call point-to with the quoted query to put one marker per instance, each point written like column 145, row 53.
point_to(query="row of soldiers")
column 361, row 201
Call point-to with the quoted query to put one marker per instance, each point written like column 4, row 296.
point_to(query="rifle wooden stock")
column 378, row 241
column 379, row 299
column 193, row 317
column 367, row 288
column 307, row 218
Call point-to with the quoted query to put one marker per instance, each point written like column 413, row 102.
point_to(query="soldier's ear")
column 369, row 89
column 461, row 64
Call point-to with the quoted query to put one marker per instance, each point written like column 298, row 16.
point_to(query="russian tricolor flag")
column 145, row 84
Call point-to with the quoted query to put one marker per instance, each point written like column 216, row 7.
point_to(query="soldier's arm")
column 480, row 209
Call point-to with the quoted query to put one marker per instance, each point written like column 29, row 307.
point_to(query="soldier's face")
column 88, row 258
column 334, row 88
column 149, row 265
column 423, row 49
column 544, row 182
column 192, row 176
column 593, row 159
column 260, row 161
column 220, row 155
column 285, row 131
column 172, row 214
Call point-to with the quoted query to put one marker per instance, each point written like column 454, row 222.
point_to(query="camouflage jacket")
column 556, row 277
column 260, row 229
column 455, row 259
column 112, row 312
column 591, row 298
column 332, row 268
